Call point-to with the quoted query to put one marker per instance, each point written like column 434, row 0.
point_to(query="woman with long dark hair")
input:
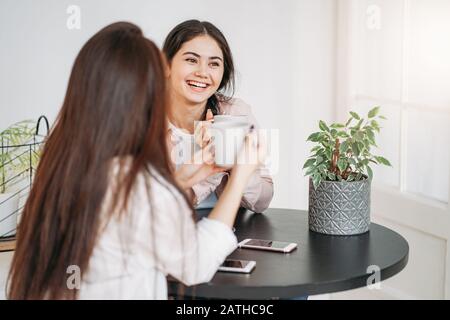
column 201, row 84
column 105, row 201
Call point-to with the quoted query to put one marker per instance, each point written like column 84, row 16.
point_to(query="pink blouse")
column 259, row 191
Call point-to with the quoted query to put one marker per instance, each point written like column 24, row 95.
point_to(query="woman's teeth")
column 197, row 84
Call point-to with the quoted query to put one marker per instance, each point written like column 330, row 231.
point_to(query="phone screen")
column 267, row 243
column 234, row 264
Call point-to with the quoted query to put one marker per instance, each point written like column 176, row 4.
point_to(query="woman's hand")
column 251, row 156
column 201, row 167
column 202, row 135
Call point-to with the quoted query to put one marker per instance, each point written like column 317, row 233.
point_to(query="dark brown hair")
column 187, row 31
column 115, row 107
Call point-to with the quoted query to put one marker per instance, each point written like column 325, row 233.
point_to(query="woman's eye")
column 191, row 60
column 215, row 64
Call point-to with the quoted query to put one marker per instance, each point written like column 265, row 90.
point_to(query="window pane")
column 428, row 156
column 378, row 49
column 429, row 53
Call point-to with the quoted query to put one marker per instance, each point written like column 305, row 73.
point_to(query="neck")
column 184, row 114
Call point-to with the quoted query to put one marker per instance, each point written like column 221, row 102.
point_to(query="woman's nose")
column 201, row 71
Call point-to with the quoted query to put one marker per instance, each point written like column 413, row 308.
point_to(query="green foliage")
column 343, row 151
column 15, row 160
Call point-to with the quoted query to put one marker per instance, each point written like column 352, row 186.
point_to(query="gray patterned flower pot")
column 340, row 208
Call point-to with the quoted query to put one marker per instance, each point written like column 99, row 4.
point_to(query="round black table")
column 320, row 264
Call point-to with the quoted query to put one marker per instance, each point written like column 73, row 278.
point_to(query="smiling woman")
column 200, row 76
column 198, row 52
column 196, row 71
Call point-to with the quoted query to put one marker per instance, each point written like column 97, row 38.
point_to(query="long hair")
column 115, row 107
column 191, row 29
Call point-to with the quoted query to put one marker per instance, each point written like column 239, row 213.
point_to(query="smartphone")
column 268, row 245
column 240, row 266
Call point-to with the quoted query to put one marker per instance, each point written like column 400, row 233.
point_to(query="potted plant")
column 16, row 160
column 340, row 174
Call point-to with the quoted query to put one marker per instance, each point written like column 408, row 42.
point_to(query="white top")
column 156, row 237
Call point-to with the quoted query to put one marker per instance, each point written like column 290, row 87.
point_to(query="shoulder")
column 161, row 189
column 152, row 192
column 235, row 106
column 148, row 181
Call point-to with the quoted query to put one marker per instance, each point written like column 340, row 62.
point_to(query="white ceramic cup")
column 227, row 138
column 230, row 118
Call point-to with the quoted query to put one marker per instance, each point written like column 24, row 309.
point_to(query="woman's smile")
column 196, row 71
column 197, row 86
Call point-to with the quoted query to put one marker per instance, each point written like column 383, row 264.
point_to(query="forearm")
column 257, row 194
column 228, row 204
column 191, row 195
column 202, row 252
column 191, row 252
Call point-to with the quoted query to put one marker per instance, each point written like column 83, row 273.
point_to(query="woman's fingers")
column 206, row 135
column 204, row 155
column 209, row 115
column 252, row 154
column 202, row 135
column 256, row 142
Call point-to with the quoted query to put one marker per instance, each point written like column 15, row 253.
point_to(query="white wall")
column 284, row 52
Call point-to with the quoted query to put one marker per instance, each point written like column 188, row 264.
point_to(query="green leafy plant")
column 343, row 151
column 15, row 158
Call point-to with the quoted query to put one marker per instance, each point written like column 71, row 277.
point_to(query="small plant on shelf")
column 15, row 160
